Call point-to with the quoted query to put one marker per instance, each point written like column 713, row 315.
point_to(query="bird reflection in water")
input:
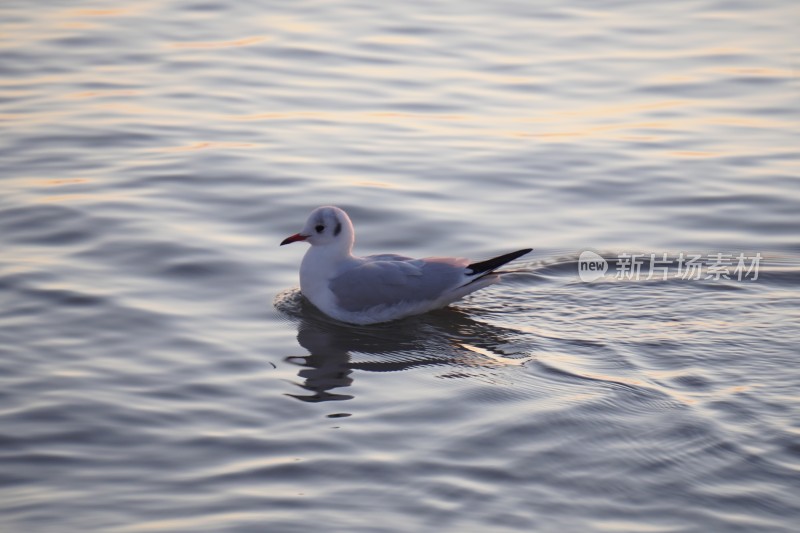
column 449, row 338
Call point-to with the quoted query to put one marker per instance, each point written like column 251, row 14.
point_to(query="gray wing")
column 389, row 280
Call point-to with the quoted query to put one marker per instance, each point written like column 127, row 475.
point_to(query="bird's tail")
column 483, row 268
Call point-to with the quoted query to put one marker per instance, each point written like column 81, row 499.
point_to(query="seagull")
column 385, row 287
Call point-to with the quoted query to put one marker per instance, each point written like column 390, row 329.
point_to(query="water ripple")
column 154, row 155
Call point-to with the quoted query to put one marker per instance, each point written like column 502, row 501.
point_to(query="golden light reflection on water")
column 75, row 25
column 619, row 121
column 45, row 182
column 495, row 358
column 78, row 197
column 105, row 93
column 651, row 380
column 377, row 184
column 289, row 24
column 750, row 122
column 495, row 126
column 397, row 40
column 625, row 122
column 756, row 71
column 569, row 364
column 205, row 521
column 691, row 154
column 31, row 259
column 69, row 189
column 207, row 145
column 79, row 13
column 572, row 124
column 247, row 41
column 615, row 110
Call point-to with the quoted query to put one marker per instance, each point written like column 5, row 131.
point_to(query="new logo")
column 591, row 266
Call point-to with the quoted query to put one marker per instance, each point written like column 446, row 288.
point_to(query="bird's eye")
column 319, row 228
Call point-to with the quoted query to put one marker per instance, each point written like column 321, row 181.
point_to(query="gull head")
column 326, row 226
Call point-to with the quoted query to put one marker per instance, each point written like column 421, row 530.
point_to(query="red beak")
column 294, row 238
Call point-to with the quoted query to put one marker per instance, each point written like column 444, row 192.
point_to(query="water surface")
column 161, row 372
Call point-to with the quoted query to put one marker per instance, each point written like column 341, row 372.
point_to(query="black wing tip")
column 482, row 267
